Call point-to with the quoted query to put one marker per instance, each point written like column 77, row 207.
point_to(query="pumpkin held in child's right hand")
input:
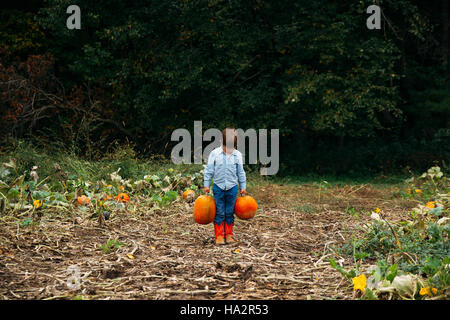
column 204, row 209
column 245, row 207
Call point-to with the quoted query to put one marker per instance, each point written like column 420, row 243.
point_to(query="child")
column 225, row 165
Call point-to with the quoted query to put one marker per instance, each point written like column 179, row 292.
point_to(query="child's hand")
column 206, row 190
column 243, row 192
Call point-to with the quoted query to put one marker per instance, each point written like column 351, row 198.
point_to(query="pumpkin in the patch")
column 204, row 209
column 105, row 197
column 83, row 200
column 189, row 195
column 122, row 197
column 245, row 207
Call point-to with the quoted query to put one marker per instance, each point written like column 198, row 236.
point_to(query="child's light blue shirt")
column 227, row 171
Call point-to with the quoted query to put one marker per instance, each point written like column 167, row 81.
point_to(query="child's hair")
column 227, row 134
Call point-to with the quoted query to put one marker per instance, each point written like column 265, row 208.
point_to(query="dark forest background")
column 346, row 99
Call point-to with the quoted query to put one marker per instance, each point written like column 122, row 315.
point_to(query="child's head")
column 229, row 138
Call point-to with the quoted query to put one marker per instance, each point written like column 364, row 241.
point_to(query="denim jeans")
column 225, row 200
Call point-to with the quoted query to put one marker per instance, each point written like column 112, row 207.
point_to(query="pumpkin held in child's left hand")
column 204, row 209
column 245, row 207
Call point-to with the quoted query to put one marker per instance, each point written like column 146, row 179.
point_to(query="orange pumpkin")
column 105, row 197
column 188, row 194
column 83, row 200
column 204, row 209
column 245, row 207
column 122, row 197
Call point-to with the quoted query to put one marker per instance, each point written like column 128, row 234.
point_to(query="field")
column 67, row 233
column 344, row 104
column 147, row 252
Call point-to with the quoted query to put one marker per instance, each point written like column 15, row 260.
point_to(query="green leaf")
column 157, row 198
column 333, row 263
column 4, row 173
column 369, row 295
column 171, row 195
column 26, row 222
column 18, row 181
column 13, row 193
column 436, row 211
column 393, row 270
column 377, row 274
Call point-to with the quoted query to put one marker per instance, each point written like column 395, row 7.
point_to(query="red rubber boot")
column 218, row 230
column 229, row 233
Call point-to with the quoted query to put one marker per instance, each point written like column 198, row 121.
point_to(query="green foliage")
column 20, row 33
column 379, row 242
column 50, row 188
column 347, row 274
column 418, row 248
column 111, row 245
column 340, row 84
column 27, row 155
column 352, row 212
column 429, row 183
column 350, row 98
column 26, row 222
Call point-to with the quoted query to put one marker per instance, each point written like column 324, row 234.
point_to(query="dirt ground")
column 282, row 253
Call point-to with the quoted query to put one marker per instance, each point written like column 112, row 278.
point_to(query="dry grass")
column 283, row 252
